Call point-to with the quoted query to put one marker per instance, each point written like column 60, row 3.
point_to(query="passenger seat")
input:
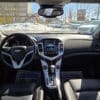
column 82, row 89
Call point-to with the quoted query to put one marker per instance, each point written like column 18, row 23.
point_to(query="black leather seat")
column 82, row 89
column 17, row 91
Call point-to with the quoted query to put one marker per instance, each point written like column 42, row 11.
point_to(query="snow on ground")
column 17, row 27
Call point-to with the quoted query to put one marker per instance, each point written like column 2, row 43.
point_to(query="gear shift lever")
column 52, row 67
column 52, row 75
column 56, row 79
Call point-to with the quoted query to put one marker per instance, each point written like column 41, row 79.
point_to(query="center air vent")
column 40, row 47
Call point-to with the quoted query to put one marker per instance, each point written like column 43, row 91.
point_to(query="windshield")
column 23, row 17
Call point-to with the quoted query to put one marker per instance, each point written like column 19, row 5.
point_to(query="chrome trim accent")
column 50, row 58
column 50, row 82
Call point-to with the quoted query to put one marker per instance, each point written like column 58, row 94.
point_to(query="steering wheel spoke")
column 17, row 65
column 30, row 48
column 6, row 50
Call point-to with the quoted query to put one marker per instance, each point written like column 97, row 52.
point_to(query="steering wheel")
column 20, row 55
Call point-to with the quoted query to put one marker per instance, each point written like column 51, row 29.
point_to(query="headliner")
column 52, row 1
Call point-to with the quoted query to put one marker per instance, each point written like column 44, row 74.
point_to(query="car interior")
column 50, row 66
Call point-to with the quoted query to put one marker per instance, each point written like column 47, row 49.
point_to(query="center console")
column 51, row 51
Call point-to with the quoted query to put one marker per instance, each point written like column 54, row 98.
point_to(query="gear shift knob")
column 52, row 68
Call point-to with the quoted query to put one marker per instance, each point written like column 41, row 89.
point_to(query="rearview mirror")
column 50, row 12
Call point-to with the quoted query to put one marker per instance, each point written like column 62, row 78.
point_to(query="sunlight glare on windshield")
column 24, row 17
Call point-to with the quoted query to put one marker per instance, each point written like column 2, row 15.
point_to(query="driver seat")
column 82, row 89
column 19, row 91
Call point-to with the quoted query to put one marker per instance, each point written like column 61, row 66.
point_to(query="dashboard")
column 73, row 52
column 73, row 43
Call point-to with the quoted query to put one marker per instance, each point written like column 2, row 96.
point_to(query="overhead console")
column 51, row 51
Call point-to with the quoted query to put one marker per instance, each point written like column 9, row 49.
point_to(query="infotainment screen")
column 50, row 47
